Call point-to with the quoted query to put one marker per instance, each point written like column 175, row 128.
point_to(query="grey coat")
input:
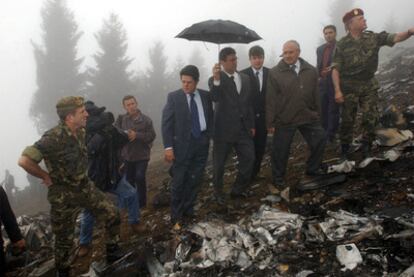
column 292, row 99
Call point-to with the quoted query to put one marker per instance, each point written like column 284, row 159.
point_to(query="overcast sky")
column 146, row 21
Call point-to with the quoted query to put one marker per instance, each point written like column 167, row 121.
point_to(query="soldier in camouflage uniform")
column 354, row 66
column 63, row 150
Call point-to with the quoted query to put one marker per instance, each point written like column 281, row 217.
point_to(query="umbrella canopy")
column 219, row 31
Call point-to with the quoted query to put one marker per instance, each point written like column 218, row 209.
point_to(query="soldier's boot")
column 344, row 152
column 113, row 253
column 63, row 272
column 366, row 149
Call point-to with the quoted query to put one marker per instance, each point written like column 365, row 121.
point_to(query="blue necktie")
column 195, row 120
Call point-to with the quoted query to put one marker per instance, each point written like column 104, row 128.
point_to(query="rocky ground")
column 273, row 232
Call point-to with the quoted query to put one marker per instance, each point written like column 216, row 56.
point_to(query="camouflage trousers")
column 66, row 203
column 363, row 96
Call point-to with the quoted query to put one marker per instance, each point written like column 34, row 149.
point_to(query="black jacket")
column 233, row 112
column 259, row 97
column 104, row 143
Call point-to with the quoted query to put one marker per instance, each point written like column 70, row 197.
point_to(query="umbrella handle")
column 218, row 48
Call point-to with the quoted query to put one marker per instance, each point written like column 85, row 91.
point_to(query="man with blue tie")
column 186, row 129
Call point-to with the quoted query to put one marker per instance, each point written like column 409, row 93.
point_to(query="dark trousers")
column 259, row 140
column 186, row 178
column 329, row 108
column 136, row 175
column 2, row 262
column 314, row 136
column 244, row 148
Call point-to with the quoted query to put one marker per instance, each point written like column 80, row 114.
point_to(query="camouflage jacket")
column 357, row 59
column 65, row 155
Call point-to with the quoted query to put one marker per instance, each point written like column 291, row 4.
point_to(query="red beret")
column 351, row 14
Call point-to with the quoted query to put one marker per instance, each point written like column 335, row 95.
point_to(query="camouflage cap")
column 68, row 104
column 351, row 14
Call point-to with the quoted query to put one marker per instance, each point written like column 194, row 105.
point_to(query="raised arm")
column 399, row 37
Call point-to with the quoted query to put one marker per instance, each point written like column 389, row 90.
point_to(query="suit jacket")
column 176, row 121
column 325, row 84
column 319, row 57
column 233, row 112
column 259, row 97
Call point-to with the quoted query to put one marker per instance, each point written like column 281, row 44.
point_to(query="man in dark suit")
column 258, row 82
column 329, row 108
column 233, row 123
column 187, row 120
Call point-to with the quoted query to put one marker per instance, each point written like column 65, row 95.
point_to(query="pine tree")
column 111, row 80
column 155, row 85
column 57, row 63
column 197, row 59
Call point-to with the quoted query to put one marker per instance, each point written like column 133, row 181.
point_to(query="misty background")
column 106, row 49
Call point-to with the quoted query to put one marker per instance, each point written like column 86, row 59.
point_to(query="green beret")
column 68, row 104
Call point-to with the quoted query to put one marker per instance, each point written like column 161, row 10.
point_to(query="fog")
column 145, row 22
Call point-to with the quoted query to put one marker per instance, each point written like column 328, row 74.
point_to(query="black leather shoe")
column 318, row 172
column 280, row 185
column 219, row 198
column 239, row 195
column 113, row 253
column 63, row 272
column 366, row 149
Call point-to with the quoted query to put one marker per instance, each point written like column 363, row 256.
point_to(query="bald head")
column 291, row 52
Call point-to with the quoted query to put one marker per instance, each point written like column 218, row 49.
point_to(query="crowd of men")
column 238, row 113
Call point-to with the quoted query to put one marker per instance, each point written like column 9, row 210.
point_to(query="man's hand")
column 21, row 244
column 339, row 97
column 271, row 130
column 132, row 135
column 47, row 181
column 169, row 155
column 216, row 72
column 18, row 247
column 253, row 131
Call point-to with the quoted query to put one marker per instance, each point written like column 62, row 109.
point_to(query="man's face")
column 291, row 53
column 131, row 106
column 329, row 35
column 358, row 23
column 256, row 61
column 79, row 117
column 230, row 64
column 188, row 84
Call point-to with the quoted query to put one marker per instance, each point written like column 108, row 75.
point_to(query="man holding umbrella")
column 233, row 123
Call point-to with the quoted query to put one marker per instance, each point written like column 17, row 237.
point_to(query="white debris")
column 348, row 255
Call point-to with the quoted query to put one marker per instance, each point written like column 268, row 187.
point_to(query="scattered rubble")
column 359, row 218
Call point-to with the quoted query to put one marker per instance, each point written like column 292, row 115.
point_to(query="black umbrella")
column 219, row 31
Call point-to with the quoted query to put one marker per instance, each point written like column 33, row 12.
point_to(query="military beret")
column 351, row 14
column 68, row 104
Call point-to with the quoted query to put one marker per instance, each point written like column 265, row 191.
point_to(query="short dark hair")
column 190, row 70
column 127, row 97
column 256, row 51
column 333, row 27
column 227, row 51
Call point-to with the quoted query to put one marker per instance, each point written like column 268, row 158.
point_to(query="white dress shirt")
column 237, row 80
